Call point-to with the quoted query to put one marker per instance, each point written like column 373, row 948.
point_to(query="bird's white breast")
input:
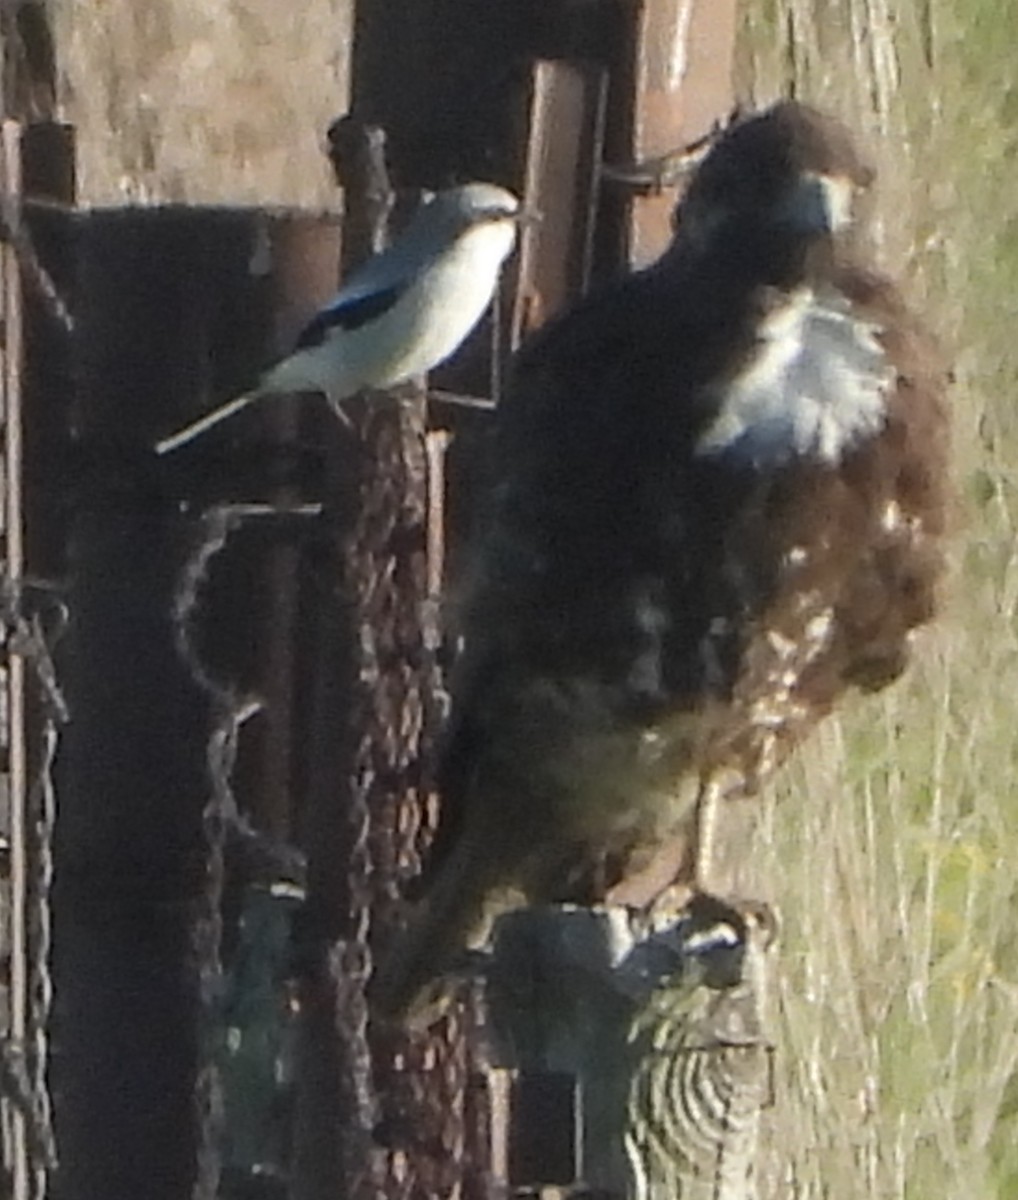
column 423, row 327
column 450, row 298
column 815, row 387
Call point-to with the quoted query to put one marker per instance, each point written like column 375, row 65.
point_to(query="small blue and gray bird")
column 402, row 313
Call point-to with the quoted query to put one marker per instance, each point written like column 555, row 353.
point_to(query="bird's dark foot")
column 717, row 932
column 761, row 918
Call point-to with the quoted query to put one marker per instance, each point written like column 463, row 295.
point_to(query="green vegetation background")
column 893, row 846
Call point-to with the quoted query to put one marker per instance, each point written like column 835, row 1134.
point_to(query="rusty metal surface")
column 563, row 149
column 423, row 1078
column 446, row 93
column 32, row 617
column 388, row 552
column 682, row 85
column 16, row 1151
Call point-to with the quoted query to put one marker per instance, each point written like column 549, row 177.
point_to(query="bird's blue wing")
column 348, row 312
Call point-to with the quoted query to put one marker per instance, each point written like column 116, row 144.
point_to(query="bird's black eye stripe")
column 351, row 315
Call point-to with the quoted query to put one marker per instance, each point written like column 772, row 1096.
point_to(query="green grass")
column 894, row 844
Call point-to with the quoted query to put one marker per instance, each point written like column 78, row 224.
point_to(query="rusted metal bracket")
column 682, row 84
column 669, row 170
column 565, row 120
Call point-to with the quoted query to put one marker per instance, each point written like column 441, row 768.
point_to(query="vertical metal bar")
column 17, row 763
column 304, row 259
column 436, row 443
column 500, row 1084
column 561, row 161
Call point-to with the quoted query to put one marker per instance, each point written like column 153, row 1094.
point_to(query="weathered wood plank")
column 199, row 103
column 662, row 1029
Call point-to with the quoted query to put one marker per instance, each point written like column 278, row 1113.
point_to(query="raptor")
column 717, row 506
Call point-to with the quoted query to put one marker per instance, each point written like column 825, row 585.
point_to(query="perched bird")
column 403, row 312
column 718, row 501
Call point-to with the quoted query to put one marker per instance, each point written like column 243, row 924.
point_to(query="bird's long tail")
column 209, row 421
column 452, row 917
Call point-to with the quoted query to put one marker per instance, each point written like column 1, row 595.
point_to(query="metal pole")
column 17, row 756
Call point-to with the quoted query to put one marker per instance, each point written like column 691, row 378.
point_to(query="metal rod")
column 436, row 443
column 460, row 400
column 17, row 766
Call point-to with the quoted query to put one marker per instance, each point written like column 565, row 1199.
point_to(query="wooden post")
column 643, row 1050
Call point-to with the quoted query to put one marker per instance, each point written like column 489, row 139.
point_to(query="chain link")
column 220, row 818
column 23, row 1074
column 371, row 567
column 422, row 1079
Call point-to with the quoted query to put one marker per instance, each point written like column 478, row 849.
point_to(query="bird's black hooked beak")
column 819, row 203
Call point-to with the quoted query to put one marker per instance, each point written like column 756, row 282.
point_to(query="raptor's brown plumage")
column 718, row 504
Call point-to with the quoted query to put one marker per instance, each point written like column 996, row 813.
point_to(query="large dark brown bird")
column 719, row 505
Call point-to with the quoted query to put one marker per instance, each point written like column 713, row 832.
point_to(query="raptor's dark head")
column 772, row 188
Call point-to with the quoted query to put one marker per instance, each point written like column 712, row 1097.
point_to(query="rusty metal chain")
column 41, row 825
column 371, row 568
column 23, row 1070
column 220, row 808
column 399, row 706
column 220, row 816
column 351, row 959
column 444, row 1084
column 33, row 713
column 390, row 810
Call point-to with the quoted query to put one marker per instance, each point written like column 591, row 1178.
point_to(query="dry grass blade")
column 899, row 970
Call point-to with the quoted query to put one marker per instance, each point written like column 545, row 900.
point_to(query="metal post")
column 17, row 751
